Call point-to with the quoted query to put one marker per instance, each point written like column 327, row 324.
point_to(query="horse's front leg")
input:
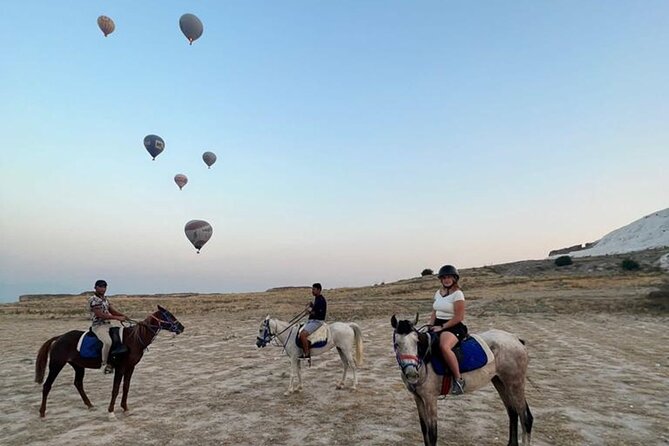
column 299, row 376
column 293, row 367
column 127, row 375
column 427, row 414
column 118, row 375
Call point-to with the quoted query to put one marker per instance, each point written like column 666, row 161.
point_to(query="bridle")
column 418, row 361
column 268, row 336
column 171, row 325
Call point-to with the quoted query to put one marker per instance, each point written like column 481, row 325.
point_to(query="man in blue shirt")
column 317, row 311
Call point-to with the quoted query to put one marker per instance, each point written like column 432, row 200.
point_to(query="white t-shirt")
column 443, row 305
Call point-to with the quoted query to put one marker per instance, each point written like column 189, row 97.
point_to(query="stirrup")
column 109, row 369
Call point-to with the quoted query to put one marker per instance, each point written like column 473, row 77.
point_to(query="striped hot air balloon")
column 106, row 25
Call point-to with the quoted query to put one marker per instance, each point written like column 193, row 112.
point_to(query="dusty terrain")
column 597, row 339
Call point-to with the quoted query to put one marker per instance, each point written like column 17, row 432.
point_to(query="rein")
column 154, row 332
column 273, row 337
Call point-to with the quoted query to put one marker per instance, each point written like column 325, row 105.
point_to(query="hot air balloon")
column 154, row 145
column 209, row 158
column 198, row 232
column 191, row 26
column 181, row 180
column 106, row 25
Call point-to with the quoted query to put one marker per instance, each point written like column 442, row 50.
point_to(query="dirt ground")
column 599, row 374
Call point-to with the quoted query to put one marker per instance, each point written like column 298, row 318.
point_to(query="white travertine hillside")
column 651, row 231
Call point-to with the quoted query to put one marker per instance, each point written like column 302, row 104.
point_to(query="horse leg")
column 54, row 370
column 298, row 367
column 293, row 367
column 79, row 384
column 526, row 420
column 127, row 376
column 344, row 361
column 427, row 414
column 516, row 406
column 117, row 383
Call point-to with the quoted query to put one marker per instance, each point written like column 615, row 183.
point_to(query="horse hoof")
column 112, row 416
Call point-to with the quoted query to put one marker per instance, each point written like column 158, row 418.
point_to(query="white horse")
column 507, row 372
column 347, row 337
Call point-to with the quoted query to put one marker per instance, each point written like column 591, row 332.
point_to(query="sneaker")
column 458, row 386
column 108, row 369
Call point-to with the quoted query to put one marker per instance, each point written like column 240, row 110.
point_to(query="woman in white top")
column 446, row 319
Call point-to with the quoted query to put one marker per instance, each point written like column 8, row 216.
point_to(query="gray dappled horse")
column 507, row 372
column 347, row 337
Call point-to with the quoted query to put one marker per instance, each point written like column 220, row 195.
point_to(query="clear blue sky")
column 357, row 141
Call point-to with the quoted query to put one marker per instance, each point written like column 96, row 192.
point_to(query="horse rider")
column 317, row 310
column 102, row 313
column 446, row 319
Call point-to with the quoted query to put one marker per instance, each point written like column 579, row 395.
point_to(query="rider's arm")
column 433, row 316
column 107, row 316
column 115, row 312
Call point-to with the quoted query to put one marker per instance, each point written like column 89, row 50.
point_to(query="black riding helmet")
column 448, row 270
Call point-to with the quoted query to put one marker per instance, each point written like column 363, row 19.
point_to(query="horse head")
column 411, row 348
column 264, row 334
column 167, row 321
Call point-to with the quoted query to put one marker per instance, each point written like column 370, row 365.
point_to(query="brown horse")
column 63, row 350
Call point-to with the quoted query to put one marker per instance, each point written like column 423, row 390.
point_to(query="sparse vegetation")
column 630, row 265
column 563, row 261
column 427, row 272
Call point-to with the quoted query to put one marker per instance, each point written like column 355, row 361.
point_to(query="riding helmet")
column 448, row 270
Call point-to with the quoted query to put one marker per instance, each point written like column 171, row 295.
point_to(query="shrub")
column 630, row 265
column 563, row 261
column 427, row 272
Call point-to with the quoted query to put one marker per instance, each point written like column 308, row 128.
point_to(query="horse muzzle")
column 411, row 374
column 260, row 342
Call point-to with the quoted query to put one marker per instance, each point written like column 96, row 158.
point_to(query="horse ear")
column 416, row 319
column 267, row 318
column 393, row 321
column 161, row 308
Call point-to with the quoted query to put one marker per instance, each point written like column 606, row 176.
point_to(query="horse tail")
column 42, row 356
column 358, row 343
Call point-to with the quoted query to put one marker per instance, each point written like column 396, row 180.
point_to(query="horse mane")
column 135, row 331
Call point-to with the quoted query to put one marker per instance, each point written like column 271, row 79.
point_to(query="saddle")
column 316, row 339
column 90, row 347
column 472, row 352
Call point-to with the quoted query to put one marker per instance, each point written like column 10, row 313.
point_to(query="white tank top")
column 443, row 305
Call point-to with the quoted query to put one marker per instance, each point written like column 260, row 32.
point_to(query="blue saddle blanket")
column 90, row 346
column 471, row 356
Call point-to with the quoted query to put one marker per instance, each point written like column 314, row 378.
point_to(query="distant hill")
column 649, row 232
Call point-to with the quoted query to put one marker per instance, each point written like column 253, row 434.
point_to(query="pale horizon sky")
column 357, row 142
